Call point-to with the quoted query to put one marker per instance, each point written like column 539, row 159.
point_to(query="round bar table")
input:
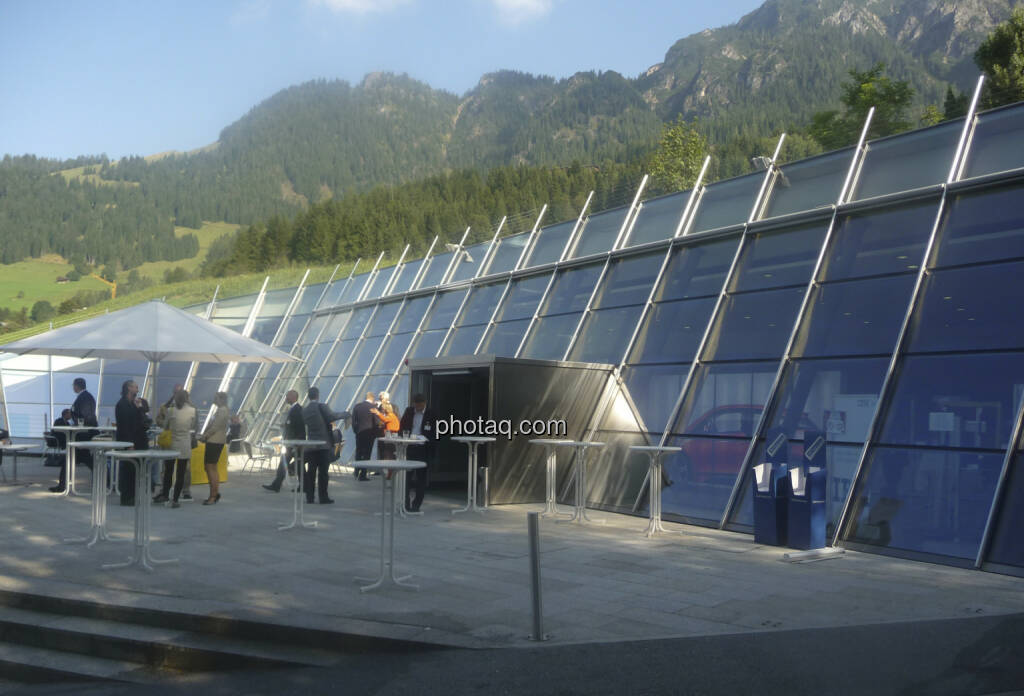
column 14, row 449
column 141, row 459
column 580, row 513
column 72, row 432
column 401, row 448
column 654, row 457
column 98, row 528
column 551, row 504
column 299, row 495
column 473, row 443
column 387, row 523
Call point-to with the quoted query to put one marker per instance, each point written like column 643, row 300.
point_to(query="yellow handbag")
column 163, row 440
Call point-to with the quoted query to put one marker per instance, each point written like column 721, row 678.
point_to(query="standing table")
column 580, row 513
column 387, row 523
column 654, row 455
column 551, row 506
column 471, row 502
column 141, row 459
column 98, row 529
column 13, row 449
column 299, row 496
column 401, row 447
column 73, row 432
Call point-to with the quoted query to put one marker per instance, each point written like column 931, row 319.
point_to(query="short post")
column 533, row 529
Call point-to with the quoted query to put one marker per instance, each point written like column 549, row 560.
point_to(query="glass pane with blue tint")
column 379, row 282
column 463, row 340
column 908, row 161
column 376, row 383
column 861, row 317
column 236, row 324
column 406, row 275
column 332, row 330
column 523, row 297
column 264, row 329
column 987, row 226
column 697, row 270
column 1007, row 547
column 428, row 343
column 505, row 337
column 481, row 303
column 412, row 314
column 836, row 397
column 338, row 358
column 469, row 261
column 658, row 218
column 654, row 390
column 201, row 395
column 310, row 296
column 876, row 242
column 234, row 307
column 292, row 330
column 774, row 259
column 955, row 400
column 599, row 232
column 357, row 322
column 32, row 387
column 929, row 501
column 966, row 308
column 206, row 369
column 998, row 142
column 446, row 306
column 754, row 325
column 702, row 475
column 629, row 280
column 363, row 356
column 549, row 338
column 572, row 289
column 400, row 395
column 317, row 356
column 550, row 243
column 275, row 302
column 392, row 353
column 354, row 288
column 727, row 203
column 436, row 270
column 726, row 399
column 615, row 474
column 29, row 420
column 808, row 184
column 383, row 317
column 605, row 335
column 506, row 256
column 343, row 395
column 672, row 331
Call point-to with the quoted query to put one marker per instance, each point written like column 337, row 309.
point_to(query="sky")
column 138, row 77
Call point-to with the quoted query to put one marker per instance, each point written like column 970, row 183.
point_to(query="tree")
column 955, row 104
column 1001, row 58
column 677, row 161
column 42, row 311
column 931, row 115
column 867, row 89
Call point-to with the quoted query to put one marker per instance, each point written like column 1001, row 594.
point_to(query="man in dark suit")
column 83, row 410
column 132, row 427
column 66, row 418
column 419, row 420
column 318, row 418
column 294, row 429
column 364, row 425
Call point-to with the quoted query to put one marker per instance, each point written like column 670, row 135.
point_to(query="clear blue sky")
column 128, row 77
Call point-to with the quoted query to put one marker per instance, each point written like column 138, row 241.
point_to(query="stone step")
column 31, row 664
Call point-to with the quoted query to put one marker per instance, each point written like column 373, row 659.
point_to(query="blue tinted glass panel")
column 809, row 184
column 383, row 317
column 32, row 386
column 726, row 399
column 286, row 341
column 658, row 218
column 264, row 329
column 428, row 344
column 774, row 259
column 550, row 243
column 276, row 302
column 337, row 360
column 966, row 308
column 702, row 475
column 599, row 232
column 523, row 297
column 572, row 289
column 727, row 203
column 446, row 305
column 985, row 226
column 672, row 331
column 481, row 303
column 924, row 500
column 469, row 261
column 506, row 256
column 379, row 282
column 605, row 335
column 438, row 266
column 363, row 356
column 854, row 318
column 335, row 324
column 392, row 353
column 406, row 275
column 698, row 270
column 629, row 280
column 908, row 161
column 400, row 395
column 343, row 395
column 550, row 336
column 1007, row 547
column 892, row 240
column 311, row 295
column 317, row 356
column 354, row 288
column 754, row 325
column 358, row 321
column 504, row 338
column 955, row 400
column 654, row 390
column 837, row 397
column 463, row 340
column 998, row 142
column 412, row 314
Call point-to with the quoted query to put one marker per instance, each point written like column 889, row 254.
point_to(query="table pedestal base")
column 298, row 498
column 471, row 502
column 551, row 504
column 387, row 543
column 98, row 528
column 580, row 515
column 141, row 556
column 654, row 499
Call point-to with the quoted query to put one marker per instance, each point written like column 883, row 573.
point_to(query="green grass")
column 79, row 173
column 207, row 234
column 36, row 279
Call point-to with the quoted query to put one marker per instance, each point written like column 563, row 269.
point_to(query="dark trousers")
column 364, row 448
column 126, row 483
column 417, row 479
column 177, row 468
column 287, row 464
column 79, row 461
column 317, row 464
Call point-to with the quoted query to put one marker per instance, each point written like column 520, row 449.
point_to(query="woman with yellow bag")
column 215, row 435
column 180, row 420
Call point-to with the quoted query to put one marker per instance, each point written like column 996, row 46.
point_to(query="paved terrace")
column 601, row 582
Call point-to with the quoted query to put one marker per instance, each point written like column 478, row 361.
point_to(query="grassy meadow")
column 36, row 279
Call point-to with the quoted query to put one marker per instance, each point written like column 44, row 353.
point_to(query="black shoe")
column 161, row 498
column 271, row 488
column 364, row 477
column 56, row 489
column 328, row 501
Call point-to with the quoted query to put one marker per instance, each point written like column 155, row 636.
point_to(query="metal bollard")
column 533, row 529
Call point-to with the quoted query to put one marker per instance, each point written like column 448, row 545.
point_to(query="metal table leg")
column 387, row 544
column 654, row 495
column 140, row 555
column 299, row 496
column 580, row 515
column 98, row 528
column 471, row 482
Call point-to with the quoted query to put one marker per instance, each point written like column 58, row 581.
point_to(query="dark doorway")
column 458, row 397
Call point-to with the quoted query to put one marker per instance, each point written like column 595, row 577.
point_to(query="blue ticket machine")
column 770, row 485
column 808, row 485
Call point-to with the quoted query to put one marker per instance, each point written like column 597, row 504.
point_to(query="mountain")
column 768, row 72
